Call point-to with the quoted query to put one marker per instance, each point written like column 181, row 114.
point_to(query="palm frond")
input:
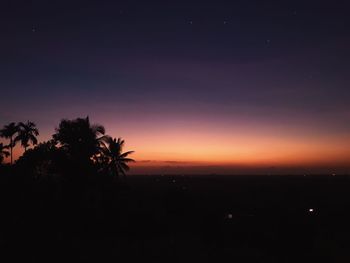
column 124, row 167
column 98, row 129
column 126, row 154
column 106, row 139
column 127, row 160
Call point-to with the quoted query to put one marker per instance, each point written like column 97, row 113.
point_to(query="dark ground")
column 176, row 219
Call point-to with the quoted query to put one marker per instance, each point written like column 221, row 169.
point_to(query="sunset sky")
column 245, row 87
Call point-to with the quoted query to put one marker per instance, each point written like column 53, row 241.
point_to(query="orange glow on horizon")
column 196, row 145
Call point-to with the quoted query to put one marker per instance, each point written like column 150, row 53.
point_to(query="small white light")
column 174, row 181
column 311, row 210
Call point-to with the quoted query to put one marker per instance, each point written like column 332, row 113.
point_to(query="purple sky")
column 253, row 79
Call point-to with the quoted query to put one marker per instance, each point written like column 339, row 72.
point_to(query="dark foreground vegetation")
column 68, row 200
column 175, row 219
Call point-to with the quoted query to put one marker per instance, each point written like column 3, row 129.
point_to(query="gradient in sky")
column 214, row 87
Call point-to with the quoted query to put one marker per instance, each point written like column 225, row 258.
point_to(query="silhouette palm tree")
column 3, row 152
column 27, row 133
column 8, row 132
column 114, row 159
column 79, row 138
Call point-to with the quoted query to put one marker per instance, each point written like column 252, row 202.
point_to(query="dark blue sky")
column 261, row 65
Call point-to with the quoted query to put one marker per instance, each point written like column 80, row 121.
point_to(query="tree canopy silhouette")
column 3, row 152
column 77, row 147
column 44, row 159
column 27, row 133
column 8, row 132
column 79, row 139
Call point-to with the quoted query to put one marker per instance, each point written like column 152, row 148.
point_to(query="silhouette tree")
column 115, row 161
column 27, row 133
column 43, row 160
column 3, row 152
column 8, row 132
column 79, row 139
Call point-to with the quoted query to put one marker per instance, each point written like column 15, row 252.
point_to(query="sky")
column 199, row 87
